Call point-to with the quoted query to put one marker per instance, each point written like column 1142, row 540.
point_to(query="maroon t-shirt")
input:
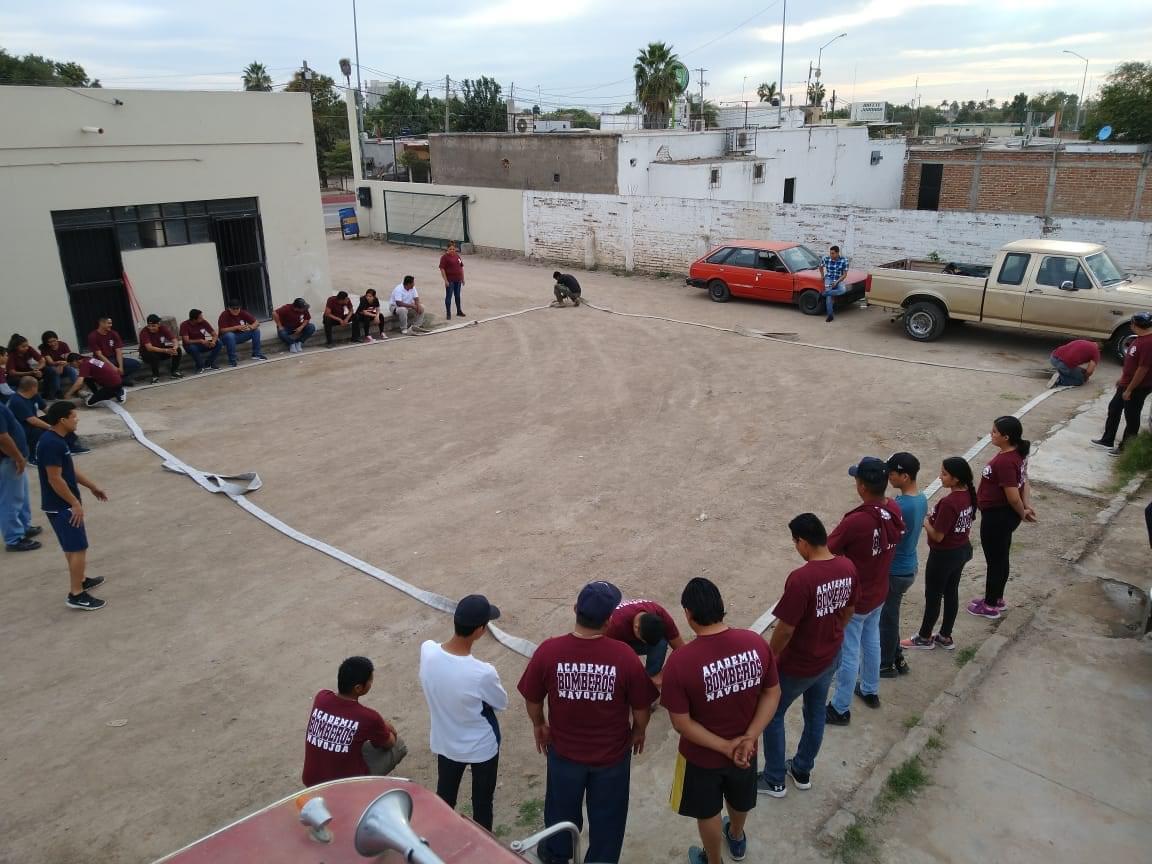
column 291, row 317
column 953, row 516
column 1077, row 352
column 162, row 338
column 337, row 308
column 104, row 374
column 867, row 536
column 591, row 686
column 452, row 266
column 1007, row 469
column 227, row 319
column 717, row 681
column 60, row 352
column 620, row 624
column 106, row 343
column 1138, row 354
column 334, row 743
column 200, row 330
column 21, row 362
column 813, row 597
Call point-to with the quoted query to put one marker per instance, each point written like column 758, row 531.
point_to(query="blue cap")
column 475, row 611
column 1142, row 319
column 870, row 470
column 597, row 601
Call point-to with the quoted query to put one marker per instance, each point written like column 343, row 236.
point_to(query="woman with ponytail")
column 1004, row 499
column 947, row 528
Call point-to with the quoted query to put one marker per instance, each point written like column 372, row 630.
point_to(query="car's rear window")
column 720, row 255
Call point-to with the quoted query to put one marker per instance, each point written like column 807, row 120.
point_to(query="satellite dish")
column 521, row 125
column 681, row 73
column 1104, row 134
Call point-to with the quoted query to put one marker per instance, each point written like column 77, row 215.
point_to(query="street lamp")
column 820, row 54
column 1083, row 80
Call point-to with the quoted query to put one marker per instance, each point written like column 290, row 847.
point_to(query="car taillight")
column 868, row 284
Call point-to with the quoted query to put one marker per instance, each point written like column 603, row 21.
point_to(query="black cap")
column 1142, row 319
column 597, row 601
column 233, row 302
column 300, row 303
column 904, row 463
column 475, row 611
column 153, row 319
column 870, row 470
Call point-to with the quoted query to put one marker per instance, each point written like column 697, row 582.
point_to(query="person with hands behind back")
column 721, row 690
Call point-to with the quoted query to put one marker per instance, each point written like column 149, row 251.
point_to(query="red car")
column 766, row 270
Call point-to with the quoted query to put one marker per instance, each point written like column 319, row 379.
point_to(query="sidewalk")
column 1049, row 761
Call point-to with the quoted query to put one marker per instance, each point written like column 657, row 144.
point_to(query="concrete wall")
column 638, row 150
column 157, row 147
column 583, row 161
column 667, row 234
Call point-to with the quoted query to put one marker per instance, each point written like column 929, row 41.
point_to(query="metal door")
column 243, row 272
column 773, row 281
column 931, row 178
column 94, row 279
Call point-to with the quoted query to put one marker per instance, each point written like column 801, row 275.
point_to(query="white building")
column 187, row 197
column 978, row 130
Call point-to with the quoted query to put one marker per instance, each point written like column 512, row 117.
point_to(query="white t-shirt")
column 402, row 294
column 456, row 689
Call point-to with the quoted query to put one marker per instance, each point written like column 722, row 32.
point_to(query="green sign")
column 681, row 72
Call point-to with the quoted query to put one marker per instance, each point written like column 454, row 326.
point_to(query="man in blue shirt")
column 60, row 484
column 902, row 471
column 15, row 512
column 26, row 405
column 833, row 270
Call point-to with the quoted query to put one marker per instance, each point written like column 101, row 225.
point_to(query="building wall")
column 157, row 147
column 1112, row 185
column 638, row 151
column 584, row 161
column 667, row 234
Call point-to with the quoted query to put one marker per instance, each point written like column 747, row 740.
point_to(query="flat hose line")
column 235, row 487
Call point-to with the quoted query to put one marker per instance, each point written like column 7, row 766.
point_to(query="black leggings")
column 1129, row 410
column 449, row 773
column 155, row 360
column 942, row 583
column 364, row 322
column 996, row 527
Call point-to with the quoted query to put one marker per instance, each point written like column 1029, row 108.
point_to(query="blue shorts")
column 72, row 539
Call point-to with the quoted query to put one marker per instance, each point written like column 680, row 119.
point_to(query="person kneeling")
column 103, row 379
column 158, row 345
column 566, row 288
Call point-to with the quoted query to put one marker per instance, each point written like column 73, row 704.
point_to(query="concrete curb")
column 1104, row 518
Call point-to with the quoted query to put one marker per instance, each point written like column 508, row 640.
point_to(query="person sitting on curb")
column 294, row 324
column 26, row 405
column 238, row 325
column 1074, row 363
column 106, row 344
column 345, row 738
column 102, row 379
column 157, row 344
column 199, row 339
column 367, row 314
column 566, row 288
column 55, row 352
column 337, row 313
column 833, row 270
column 405, row 302
column 25, row 360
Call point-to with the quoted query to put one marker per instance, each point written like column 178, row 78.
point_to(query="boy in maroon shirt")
column 1074, row 363
column 1132, row 388
column 106, row 344
column 294, row 324
column 238, row 325
column 599, row 702
column 866, row 536
column 157, row 345
column 721, row 690
column 337, row 313
column 649, row 629
column 199, row 338
column 818, row 602
column 345, row 738
column 102, row 378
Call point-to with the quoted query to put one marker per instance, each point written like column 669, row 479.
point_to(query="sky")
column 580, row 52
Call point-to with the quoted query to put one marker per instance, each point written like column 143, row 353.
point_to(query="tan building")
column 186, row 197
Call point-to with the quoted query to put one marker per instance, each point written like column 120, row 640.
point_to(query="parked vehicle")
column 765, row 270
column 1051, row 286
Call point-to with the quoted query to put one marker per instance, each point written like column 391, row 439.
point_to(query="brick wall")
column 667, row 234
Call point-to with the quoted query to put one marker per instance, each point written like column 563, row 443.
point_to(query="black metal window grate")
column 151, row 226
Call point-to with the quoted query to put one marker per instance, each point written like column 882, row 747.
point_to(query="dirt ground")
column 519, row 458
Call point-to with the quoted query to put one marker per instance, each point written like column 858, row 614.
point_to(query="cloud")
column 507, row 14
column 873, row 10
column 114, row 16
column 1002, row 47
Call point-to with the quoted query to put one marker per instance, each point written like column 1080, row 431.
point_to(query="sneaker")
column 460, row 314
column 802, row 781
column 982, row 610
column 737, row 849
column 92, row 582
column 449, row 316
column 1100, row 442
column 1114, row 452
column 177, row 374
column 84, row 601
column 201, row 371
column 889, row 672
column 774, row 790
column 256, row 357
column 1054, row 380
column 917, row 641
column 902, row 666
column 23, row 545
column 872, row 700
column 945, row 642
column 79, row 448
column 34, row 531
column 406, row 332
column 232, row 363
column 835, row 718
column 366, row 339
column 332, row 344
column 696, row 855
column 121, row 397
column 829, row 319
column 155, row 379
column 1000, row 604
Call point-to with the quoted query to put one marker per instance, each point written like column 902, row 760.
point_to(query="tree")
column 535, row 110
column 1124, row 104
column 710, row 113
column 338, row 161
column 329, row 120
column 816, row 93
column 628, row 109
column 656, row 84
column 480, row 108
column 419, row 169
column 402, row 110
column 34, row 69
column 767, row 92
column 579, row 117
column 256, row 77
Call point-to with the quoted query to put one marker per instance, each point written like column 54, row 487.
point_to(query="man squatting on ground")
column 1074, row 363
column 721, row 690
column 599, row 702
column 102, row 379
column 463, row 695
column 649, row 629
column 566, row 288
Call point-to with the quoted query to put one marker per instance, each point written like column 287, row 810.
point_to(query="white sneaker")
column 407, row 331
column 369, row 339
column 1054, row 380
column 121, row 397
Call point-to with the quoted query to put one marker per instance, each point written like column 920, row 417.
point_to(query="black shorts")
column 701, row 792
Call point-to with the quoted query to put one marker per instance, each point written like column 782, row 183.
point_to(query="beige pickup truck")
column 1052, row 286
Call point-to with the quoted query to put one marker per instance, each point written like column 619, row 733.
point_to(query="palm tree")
column 256, row 77
column 656, row 85
column 816, row 93
column 766, row 91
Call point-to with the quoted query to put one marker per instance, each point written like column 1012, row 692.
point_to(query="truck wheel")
column 924, row 321
column 718, row 291
column 810, row 302
column 1121, row 339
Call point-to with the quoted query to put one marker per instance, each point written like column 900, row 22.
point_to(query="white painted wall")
column 641, row 148
column 667, row 234
column 172, row 280
column 759, row 114
column 157, row 147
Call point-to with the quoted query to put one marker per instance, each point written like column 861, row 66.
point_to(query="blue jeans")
column 131, row 367
column 287, row 337
column 815, row 693
column 859, row 656
column 199, row 352
column 235, row 337
column 1070, row 376
column 653, row 656
column 830, row 295
column 68, row 376
column 451, row 289
column 15, row 511
column 604, row 791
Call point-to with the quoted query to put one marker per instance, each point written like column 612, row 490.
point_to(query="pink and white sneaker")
column 1000, row 604
column 982, row 610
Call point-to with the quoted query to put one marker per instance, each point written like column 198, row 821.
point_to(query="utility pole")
column 916, row 125
column 780, row 106
column 359, row 88
column 701, row 72
column 447, row 98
